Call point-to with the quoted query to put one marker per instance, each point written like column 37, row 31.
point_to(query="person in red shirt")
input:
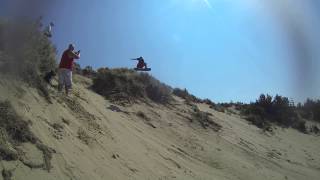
column 141, row 64
column 65, row 68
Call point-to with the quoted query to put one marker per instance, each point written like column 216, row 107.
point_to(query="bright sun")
column 193, row 3
column 204, row 2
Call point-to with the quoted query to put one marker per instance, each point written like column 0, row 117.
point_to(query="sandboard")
column 142, row 69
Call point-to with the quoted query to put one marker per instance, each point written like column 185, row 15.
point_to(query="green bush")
column 77, row 68
column 209, row 102
column 183, row 93
column 310, row 110
column 28, row 49
column 89, row 72
column 205, row 120
column 26, row 53
column 315, row 129
column 127, row 85
column 300, row 126
column 276, row 110
column 257, row 120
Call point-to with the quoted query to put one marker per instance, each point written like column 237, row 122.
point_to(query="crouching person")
column 49, row 76
column 65, row 68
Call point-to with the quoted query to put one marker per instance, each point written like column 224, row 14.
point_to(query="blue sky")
column 219, row 49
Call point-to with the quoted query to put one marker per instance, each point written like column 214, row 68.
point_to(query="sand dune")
column 95, row 139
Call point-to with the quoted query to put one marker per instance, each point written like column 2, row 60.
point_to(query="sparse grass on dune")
column 6, row 174
column 84, row 136
column 14, row 131
column 16, row 128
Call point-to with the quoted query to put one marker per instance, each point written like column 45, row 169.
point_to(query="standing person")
column 65, row 68
column 48, row 29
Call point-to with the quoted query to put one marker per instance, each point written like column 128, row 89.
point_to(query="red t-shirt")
column 66, row 62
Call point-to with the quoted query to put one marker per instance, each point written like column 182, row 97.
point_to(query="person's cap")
column 51, row 24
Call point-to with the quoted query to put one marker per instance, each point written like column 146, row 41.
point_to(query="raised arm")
column 75, row 55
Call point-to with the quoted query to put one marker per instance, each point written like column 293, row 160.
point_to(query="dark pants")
column 141, row 65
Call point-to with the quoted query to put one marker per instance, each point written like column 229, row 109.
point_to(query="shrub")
column 315, row 129
column 258, row 121
column 7, row 152
column 6, row 174
column 158, row 92
column 205, row 121
column 128, row 85
column 218, row 108
column 77, row 68
column 300, row 126
column 29, row 50
column 310, row 110
column 89, row 72
column 142, row 115
column 186, row 95
column 180, row 93
column 84, row 136
column 282, row 112
column 223, row 107
column 26, row 53
column 268, row 110
column 209, row 102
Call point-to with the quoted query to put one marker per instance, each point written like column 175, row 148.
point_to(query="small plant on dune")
column 204, row 119
column 145, row 118
column 219, row 108
column 47, row 155
column 7, row 152
column 142, row 115
column 84, row 136
column 315, row 129
column 206, row 122
column 6, row 174
column 57, row 126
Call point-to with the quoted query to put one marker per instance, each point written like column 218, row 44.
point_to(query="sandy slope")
column 166, row 145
